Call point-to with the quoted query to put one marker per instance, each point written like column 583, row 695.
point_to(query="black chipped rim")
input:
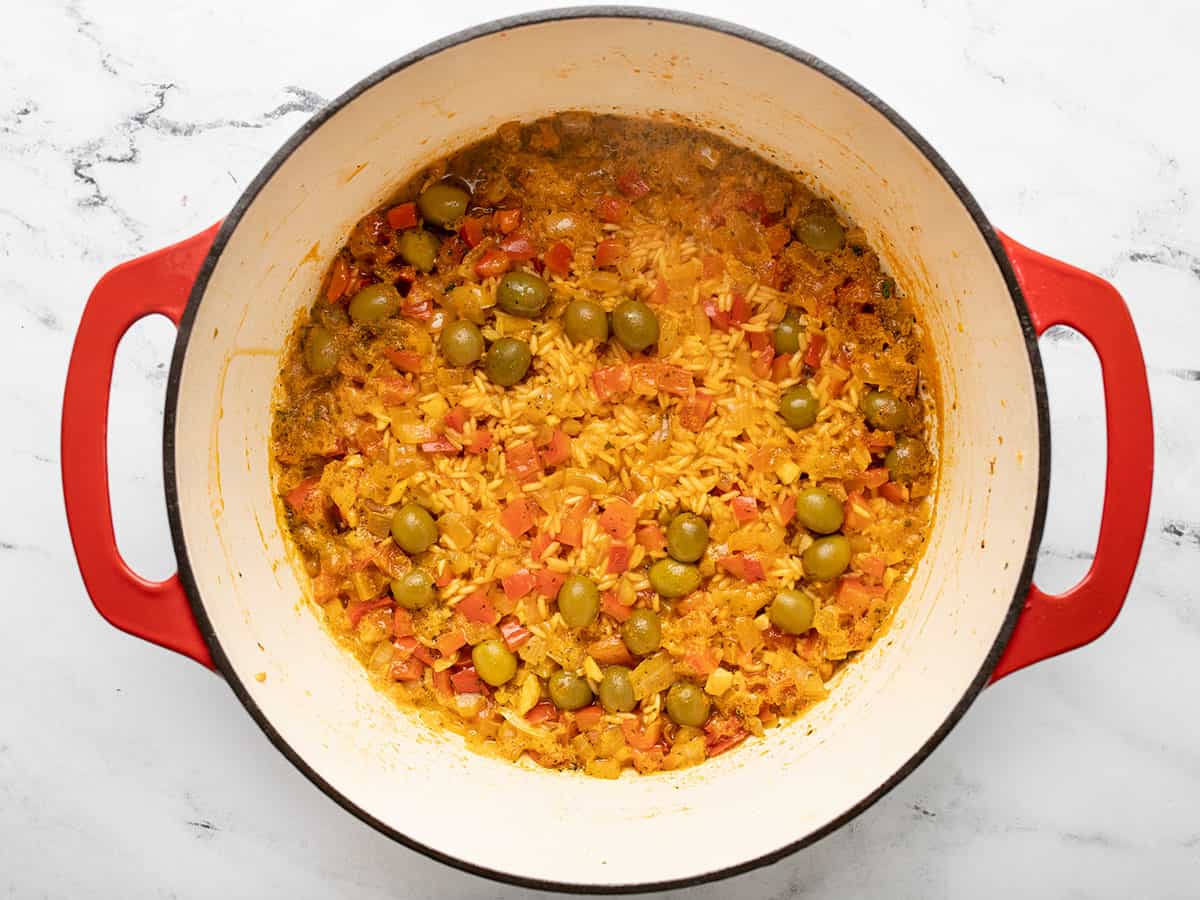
column 187, row 577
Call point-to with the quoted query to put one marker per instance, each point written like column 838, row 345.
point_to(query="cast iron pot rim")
column 248, row 196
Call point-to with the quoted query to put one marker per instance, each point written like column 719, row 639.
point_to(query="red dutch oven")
column 971, row 616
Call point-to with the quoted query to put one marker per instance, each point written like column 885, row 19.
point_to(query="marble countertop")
column 126, row 771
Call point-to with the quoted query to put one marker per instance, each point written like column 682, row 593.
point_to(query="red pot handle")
column 1059, row 294
column 159, row 282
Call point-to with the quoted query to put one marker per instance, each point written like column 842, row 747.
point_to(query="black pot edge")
column 631, row 12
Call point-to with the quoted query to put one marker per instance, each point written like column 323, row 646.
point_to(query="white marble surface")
column 129, row 772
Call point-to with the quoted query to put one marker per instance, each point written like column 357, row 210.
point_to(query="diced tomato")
column 357, row 280
column 356, row 609
column 759, row 340
column 781, row 367
column 652, row 538
column 745, row 509
column 406, row 360
column 442, row 683
column 713, row 265
column 524, row 463
column 548, row 582
column 611, row 381
column 302, row 497
column 722, row 734
column 588, row 717
column 673, row 379
column 618, row 519
column 610, row 605
column 542, row 712
column 641, row 737
column 751, row 202
column 339, row 278
column 456, row 418
column 558, row 259
column 739, row 310
column 856, row 516
column 872, row 567
column 868, row 480
column 855, row 597
column 539, row 545
column 518, row 584
column 481, row 441
column 402, row 216
column 517, row 517
column 716, row 315
column 618, row 558
column 492, row 263
column 612, row 209
column 471, row 231
column 880, row 441
column 778, row 236
column 417, row 306
column 466, row 681
column 410, row 669
column 508, row 220
column 451, row 642
column 444, row 579
column 394, row 390
column 744, row 567
column 407, row 274
column 702, row 662
column 515, row 634
column 694, row 412
column 558, row 450
column 519, row 247
column 760, row 362
column 477, row 607
column 814, row 351
column 608, row 252
column 402, row 622
column 661, row 293
column 631, row 183
column 787, row 508
column 440, row 444
column 894, row 493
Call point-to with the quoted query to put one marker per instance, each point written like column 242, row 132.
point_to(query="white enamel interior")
column 744, row 804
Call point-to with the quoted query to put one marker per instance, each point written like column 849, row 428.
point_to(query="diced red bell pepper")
column 442, row 684
column 571, row 532
column 467, row 681
column 641, row 737
column 716, row 315
column 492, row 264
column 652, row 538
column 514, row 633
column 508, row 220
column 406, row 360
column 894, row 493
column 518, row 584
column 478, row 607
column 611, row 381
column 661, row 293
column 751, row 202
column 713, row 265
column 558, row 259
column 519, row 247
column 481, row 441
column 612, row 209
column 517, row 517
column 558, row 450
column 739, row 309
column 523, row 461
column 781, row 367
column 402, row 622
column 539, row 545
column 694, row 412
column 760, row 362
column 787, row 508
column 610, row 605
column 440, row 444
column 394, row 390
column 339, row 278
column 542, row 712
column 471, row 231
column 549, row 582
column 855, row 597
column 409, row 646
column 451, row 642
column 872, row 567
column 855, row 516
column 672, row 379
column 778, row 236
column 417, row 306
column 402, row 216
column 608, row 252
column 722, row 734
column 745, row 509
column 445, row 578
column 410, row 669
column 631, row 183
column 356, row 609
column 618, row 519
column 588, row 717
column 702, row 662
column 456, row 418
column 868, row 480
column 741, row 566
column 618, row 558
column 759, row 340
column 814, row 351
column 302, row 496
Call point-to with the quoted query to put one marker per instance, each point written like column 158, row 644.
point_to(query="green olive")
column 635, row 325
column 818, row 510
column 522, row 294
column 374, row 302
column 494, row 662
column 569, row 691
column 616, row 690
column 827, row 558
column 320, row 351
column 413, row 528
column 462, row 343
column 443, row 203
column 687, row 704
column 787, row 335
column 798, row 407
column 672, row 578
column 907, row 460
column 687, row 537
column 507, row 361
column 791, row 612
column 585, row 320
column 579, row 601
column 820, row 232
column 884, row 410
column 414, row 589
column 642, row 632
column 419, row 248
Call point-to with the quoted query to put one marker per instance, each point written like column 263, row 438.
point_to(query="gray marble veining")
column 126, row 771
